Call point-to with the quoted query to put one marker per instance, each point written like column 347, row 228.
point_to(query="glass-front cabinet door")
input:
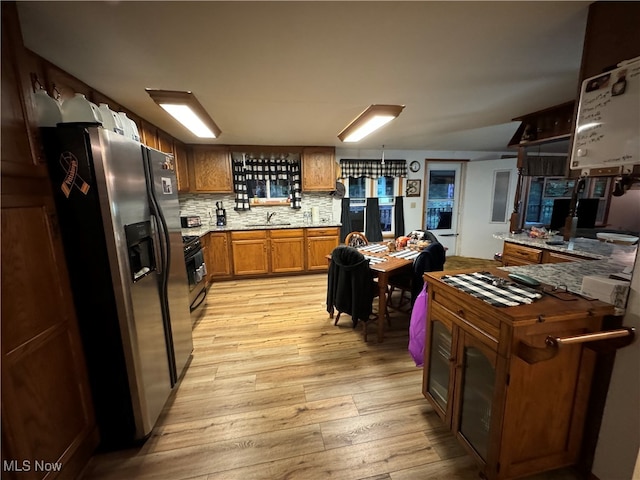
column 439, row 364
column 475, row 389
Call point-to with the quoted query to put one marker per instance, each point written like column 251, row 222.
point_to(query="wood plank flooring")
column 276, row 391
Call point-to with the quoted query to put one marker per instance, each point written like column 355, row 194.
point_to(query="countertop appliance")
column 190, row 221
column 118, row 211
column 221, row 215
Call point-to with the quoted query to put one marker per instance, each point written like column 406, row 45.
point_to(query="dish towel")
column 489, row 288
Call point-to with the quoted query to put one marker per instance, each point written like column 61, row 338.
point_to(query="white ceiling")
column 296, row 73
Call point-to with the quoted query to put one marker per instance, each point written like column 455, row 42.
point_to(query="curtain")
column 544, row 166
column 345, row 220
column 398, row 216
column 373, row 168
column 253, row 166
column 295, row 182
column 372, row 229
column 240, row 186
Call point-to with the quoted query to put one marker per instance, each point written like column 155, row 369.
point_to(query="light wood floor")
column 276, row 391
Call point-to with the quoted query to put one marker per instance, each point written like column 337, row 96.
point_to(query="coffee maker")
column 221, row 215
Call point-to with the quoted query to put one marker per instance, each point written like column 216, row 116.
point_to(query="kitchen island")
column 565, row 266
column 573, row 249
column 515, row 401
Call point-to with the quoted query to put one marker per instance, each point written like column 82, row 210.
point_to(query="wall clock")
column 414, row 166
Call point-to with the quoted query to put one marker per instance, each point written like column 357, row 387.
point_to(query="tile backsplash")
column 204, row 205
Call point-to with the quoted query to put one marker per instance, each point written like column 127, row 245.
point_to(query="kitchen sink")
column 275, row 224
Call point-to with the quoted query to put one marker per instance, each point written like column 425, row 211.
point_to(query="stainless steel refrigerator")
column 118, row 211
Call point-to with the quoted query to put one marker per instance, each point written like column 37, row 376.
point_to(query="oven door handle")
column 201, row 296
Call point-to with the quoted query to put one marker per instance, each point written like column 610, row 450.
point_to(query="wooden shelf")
column 544, row 126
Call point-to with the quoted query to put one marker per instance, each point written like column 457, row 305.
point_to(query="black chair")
column 431, row 259
column 350, row 286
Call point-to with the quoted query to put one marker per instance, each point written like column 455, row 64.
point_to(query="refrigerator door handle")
column 156, row 245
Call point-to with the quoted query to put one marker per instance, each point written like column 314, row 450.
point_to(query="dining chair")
column 356, row 239
column 431, row 259
column 351, row 288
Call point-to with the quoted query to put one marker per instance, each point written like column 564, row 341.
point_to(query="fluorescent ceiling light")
column 184, row 107
column 369, row 121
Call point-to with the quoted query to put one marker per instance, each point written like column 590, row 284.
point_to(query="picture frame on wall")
column 413, row 188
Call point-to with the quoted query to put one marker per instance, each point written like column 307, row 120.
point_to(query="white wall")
column 413, row 206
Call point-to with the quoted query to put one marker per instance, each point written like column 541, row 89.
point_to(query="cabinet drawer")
column 484, row 327
column 323, row 232
column 555, row 257
column 249, row 235
column 287, row 233
column 532, row 255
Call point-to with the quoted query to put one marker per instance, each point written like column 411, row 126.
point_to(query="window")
column 383, row 188
column 384, row 192
column 441, row 199
column 357, row 202
column 268, row 191
column 373, row 179
column 544, row 191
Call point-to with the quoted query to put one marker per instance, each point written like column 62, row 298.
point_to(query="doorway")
column 443, row 194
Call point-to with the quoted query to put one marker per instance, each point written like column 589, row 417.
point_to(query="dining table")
column 385, row 263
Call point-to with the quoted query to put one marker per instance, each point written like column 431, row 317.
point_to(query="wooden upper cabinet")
column 148, row 134
column 552, row 124
column 63, row 86
column 611, row 36
column 165, row 142
column 318, row 169
column 19, row 134
column 181, row 164
column 210, row 169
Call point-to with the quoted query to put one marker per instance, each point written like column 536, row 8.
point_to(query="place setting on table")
column 379, row 252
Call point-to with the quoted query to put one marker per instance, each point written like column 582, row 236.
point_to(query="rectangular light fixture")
column 184, row 107
column 369, row 121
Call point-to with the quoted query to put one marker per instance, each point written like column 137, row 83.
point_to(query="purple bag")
column 417, row 327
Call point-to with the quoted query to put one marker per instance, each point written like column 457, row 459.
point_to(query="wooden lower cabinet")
column 287, row 250
column 515, row 414
column 514, row 254
column 265, row 252
column 320, row 243
column 218, row 256
column 250, row 252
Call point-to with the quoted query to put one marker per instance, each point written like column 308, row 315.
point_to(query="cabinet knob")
column 460, row 312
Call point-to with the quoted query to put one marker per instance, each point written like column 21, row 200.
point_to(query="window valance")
column 373, row 168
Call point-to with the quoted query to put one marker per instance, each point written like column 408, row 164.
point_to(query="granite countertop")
column 567, row 274
column 200, row 231
column 585, row 247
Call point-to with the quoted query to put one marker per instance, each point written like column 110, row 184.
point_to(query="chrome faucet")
column 270, row 216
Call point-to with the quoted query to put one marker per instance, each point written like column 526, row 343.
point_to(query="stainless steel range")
column 196, row 274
